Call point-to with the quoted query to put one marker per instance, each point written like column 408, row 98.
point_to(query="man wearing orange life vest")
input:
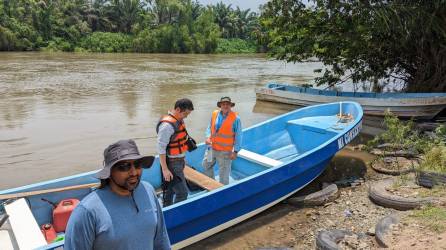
column 224, row 137
column 172, row 148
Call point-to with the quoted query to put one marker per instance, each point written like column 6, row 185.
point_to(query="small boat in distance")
column 279, row 157
column 403, row 105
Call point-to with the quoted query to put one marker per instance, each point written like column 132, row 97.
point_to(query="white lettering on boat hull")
column 350, row 135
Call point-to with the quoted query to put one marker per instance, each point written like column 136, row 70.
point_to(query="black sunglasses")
column 125, row 166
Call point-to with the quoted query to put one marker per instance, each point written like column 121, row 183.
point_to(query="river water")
column 58, row 111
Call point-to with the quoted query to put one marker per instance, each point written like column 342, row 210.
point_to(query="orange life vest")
column 177, row 143
column 223, row 139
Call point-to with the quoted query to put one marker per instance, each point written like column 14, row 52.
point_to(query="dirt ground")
column 288, row 227
column 413, row 235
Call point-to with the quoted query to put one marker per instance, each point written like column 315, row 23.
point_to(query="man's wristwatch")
column 235, row 151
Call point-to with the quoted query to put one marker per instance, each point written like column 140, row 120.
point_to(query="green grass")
column 435, row 160
column 436, row 191
column 432, row 217
column 402, row 180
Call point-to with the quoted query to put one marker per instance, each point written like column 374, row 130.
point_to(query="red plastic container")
column 62, row 213
column 48, row 232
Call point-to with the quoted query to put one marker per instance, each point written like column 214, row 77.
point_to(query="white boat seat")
column 26, row 230
column 6, row 241
column 260, row 159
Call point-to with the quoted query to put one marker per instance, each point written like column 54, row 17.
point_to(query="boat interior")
column 272, row 145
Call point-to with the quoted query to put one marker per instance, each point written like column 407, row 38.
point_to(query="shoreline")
column 288, row 227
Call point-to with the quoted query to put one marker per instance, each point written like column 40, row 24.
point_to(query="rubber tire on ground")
column 328, row 239
column 383, row 226
column 430, row 179
column 381, row 170
column 273, row 248
column 379, row 195
column 318, row 198
column 395, row 153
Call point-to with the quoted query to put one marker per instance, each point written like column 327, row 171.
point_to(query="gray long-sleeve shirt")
column 105, row 220
column 165, row 131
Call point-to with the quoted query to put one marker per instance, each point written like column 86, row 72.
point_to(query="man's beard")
column 131, row 187
column 126, row 185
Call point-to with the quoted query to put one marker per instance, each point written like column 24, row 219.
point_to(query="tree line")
column 386, row 43
column 166, row 26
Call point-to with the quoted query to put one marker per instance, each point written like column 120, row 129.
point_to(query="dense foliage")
column 403, row 136
column 435, row 159
column 400, row 135
column 382, row 42
column 236, row 45
column 169, row 26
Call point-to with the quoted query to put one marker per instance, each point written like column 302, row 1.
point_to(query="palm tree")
column 45, row 19
column 126, row 12
column 197, row 9
column 167, row 11
column 222, row 18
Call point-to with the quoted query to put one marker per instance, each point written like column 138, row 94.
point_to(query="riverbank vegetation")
column 403, row 139
column 164, row 26
column 394, row 42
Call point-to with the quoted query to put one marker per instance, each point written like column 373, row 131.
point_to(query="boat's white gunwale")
column 381, row 102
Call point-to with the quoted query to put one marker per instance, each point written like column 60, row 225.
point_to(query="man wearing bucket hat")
column 224, row 138
column 124, row 213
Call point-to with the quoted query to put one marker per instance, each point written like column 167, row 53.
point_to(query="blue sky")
column 243, row 4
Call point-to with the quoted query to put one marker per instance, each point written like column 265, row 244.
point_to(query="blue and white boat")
column 403, row 105
column 279, row 157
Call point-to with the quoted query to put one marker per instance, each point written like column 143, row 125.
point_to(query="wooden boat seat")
column 260, row 159
column 26, row 230
column 200, row 179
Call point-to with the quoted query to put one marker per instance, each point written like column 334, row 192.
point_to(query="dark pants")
column 177, row 186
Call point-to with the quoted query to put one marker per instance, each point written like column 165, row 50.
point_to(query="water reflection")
column 273, row 108
column 14, row 111
column 128, row 98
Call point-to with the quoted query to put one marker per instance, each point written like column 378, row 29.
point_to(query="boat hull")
column 240, row 202
column 200, row 218
column 418, row 108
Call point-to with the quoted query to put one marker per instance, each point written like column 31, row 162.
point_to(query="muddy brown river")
column 58, row 111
